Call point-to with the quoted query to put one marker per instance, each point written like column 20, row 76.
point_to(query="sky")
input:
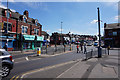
column 78, row 17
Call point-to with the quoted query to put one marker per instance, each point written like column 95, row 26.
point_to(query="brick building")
column 112, row 34
column 25, row 31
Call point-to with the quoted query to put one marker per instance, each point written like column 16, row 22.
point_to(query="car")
column 7, row 63
column 95, row 43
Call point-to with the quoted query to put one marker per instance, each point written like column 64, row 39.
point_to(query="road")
column 36, row 63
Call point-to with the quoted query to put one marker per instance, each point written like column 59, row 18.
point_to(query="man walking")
column 84, row 47
column 81, row 45
column 78, row 48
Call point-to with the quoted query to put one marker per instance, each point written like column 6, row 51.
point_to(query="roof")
column 16, row 15
column 112, row 26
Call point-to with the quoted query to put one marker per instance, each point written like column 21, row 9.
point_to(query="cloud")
column 94, row 21
column 6, row 0
column 47, row 31
column 60, row 29
column 116, row 18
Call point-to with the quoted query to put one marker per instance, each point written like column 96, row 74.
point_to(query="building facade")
column 24, row 31
column 112, row 34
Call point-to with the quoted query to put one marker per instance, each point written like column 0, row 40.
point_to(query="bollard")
column 38, row 51
column 91, row 52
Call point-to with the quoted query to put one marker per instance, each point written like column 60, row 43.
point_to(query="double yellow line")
column 14, row 77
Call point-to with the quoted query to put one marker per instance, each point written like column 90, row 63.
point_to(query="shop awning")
column 29, row 37
column 39, row 38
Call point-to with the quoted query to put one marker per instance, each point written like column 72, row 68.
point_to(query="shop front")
column 9, row 41
column 29, row 42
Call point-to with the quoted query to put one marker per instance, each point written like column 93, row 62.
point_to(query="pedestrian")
column 81, row 45
column 78, row 48
column 108, row 49
column 5, row 47
column 84, row 47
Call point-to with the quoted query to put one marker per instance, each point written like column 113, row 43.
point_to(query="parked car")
column 7, row 63
column 95, row 43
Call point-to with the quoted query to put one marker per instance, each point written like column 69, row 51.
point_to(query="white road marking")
column 69, row 69
column 27, row 58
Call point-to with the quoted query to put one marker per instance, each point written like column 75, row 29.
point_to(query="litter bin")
column 38, row 51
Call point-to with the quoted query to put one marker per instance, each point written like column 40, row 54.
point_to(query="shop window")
column 27, row 45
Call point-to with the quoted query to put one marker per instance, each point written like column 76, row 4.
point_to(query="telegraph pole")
column 99, row 35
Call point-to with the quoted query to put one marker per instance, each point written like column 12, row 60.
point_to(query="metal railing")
column 94, row 53
column 58, row 49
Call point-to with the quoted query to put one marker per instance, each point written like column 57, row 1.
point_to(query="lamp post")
column 7, row 26
column 99, row 47
column 61, row 32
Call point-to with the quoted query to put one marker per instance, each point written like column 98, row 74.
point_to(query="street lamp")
column 99, row 47
column 61, row 32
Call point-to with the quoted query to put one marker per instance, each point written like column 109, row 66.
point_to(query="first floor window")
column 24, row 29
column 9, row 26
column 36, row 31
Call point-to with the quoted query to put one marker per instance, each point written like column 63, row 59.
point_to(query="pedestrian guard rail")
column 93, row 53
column 57, row 49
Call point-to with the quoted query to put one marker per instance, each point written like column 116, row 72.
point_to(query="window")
column 114, row 33
column 110, row 33
column 36, row 31
column 36, row 22
column 24, row 29
column 8, row 14
column 25, row 19
column 9, row 26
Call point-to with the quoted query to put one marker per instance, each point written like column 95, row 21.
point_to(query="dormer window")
column 36, row 22
column 7, row 14
column 25, row 19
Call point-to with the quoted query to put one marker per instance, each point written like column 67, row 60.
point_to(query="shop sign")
column 29, row 37
column 39, row 38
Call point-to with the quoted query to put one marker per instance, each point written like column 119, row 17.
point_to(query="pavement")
column 105, row 67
